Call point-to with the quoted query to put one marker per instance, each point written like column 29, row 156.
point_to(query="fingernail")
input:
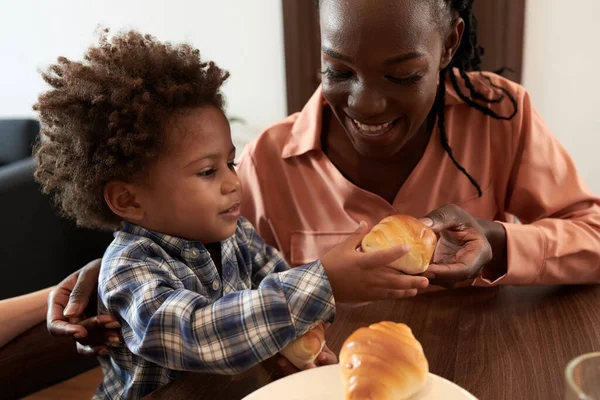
column 114, row 339
column 112, row 325
column 427, row 222
column 103, row 352
column 70, row 310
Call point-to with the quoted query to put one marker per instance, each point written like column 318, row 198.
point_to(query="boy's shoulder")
column 127, row 251
column 129, row 245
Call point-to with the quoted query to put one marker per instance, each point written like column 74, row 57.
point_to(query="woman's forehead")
column 363, row 26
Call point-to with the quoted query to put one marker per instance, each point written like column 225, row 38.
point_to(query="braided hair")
column 467, row 58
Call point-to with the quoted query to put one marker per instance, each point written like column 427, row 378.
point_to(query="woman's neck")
column 381, row 176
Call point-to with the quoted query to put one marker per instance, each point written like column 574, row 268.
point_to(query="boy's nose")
column 231, row 184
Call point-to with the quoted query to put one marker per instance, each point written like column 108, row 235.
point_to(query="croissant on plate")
column 397, row 230
column 306, row 348
column 383, row 362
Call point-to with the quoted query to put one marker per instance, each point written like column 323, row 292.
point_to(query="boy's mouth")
column 233, row 211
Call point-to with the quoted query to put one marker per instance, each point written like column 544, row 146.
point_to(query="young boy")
column 136, row 140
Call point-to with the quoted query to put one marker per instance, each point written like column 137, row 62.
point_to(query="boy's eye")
column 232, row 164
column 207, row 172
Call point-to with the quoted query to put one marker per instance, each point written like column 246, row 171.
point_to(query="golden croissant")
column 383, row 362
column 306, row 348
column 397, row 230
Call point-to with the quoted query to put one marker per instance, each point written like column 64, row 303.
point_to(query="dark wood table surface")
column 35, row 360
column 497, row 343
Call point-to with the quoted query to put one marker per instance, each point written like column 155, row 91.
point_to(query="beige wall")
column 244, row 36
column 562, row 73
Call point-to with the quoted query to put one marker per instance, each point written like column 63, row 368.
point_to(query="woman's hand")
column 462, row 249
column 66, row 305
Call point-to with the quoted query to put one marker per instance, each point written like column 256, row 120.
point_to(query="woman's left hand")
column 462, row 249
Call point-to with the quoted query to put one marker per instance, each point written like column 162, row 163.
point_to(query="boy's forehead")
column 199, row 132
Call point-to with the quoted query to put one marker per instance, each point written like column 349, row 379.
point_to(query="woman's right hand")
column 66, row 305
column 357, row 277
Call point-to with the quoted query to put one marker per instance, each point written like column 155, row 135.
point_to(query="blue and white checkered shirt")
column 178, row 314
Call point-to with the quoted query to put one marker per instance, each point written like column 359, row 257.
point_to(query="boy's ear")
column 121, row 199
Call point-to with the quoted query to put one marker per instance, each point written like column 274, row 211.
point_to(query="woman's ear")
column 452, row 41
column 121, row 199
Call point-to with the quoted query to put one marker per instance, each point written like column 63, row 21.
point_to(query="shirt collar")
column 174, row 246
column 306, row 131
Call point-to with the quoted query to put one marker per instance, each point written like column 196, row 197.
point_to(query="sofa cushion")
column 17, row 137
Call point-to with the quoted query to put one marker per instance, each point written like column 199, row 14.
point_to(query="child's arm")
column 182, row 330
column 267, row 260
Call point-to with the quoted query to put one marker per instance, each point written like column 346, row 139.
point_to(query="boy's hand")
column 356, row 277
column 326, row 357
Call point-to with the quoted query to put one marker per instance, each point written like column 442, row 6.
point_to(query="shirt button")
column 215, row 285
column 195, row 252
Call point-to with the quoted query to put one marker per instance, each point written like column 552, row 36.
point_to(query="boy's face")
column 193, row 191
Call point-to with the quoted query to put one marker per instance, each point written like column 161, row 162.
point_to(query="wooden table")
column 498, row 343
column 35, row 360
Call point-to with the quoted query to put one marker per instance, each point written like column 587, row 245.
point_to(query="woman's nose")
column 366, row 101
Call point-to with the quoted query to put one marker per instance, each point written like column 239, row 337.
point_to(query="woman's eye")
column 232, row 164
column 335, row 74
column 409, row 80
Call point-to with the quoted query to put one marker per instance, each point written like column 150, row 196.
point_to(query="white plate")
column 325, row 383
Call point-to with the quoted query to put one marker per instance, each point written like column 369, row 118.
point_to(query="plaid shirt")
column 178, row 314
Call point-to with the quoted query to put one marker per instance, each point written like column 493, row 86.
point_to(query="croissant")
column 398, row 230
column 383, row 362
column 306, row 348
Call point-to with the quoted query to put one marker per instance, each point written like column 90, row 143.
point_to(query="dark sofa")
column 37, row 250
column 37, row 247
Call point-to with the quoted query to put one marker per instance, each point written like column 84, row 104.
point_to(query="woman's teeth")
column 372, row 128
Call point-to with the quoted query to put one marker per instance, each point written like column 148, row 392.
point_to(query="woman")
column 400, row 125
column 18, row 314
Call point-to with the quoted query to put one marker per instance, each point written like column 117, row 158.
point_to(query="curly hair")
column 103, row 118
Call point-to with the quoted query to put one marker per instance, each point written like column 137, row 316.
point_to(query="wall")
column 561, row 72
column 245, row 37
